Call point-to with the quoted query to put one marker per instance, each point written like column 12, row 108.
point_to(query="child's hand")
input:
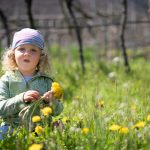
column 30, row 96
column 48, row 96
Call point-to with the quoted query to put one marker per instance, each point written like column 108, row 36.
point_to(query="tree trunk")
column 78, row 32
column 122, row 36
column 29, row 13
column 6, row 27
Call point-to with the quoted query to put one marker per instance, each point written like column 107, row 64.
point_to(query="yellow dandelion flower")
column 148, row 118
column 38, row 129
column 100, row 103
column 65, row 120
column 123, row 130
column 46, row 111
column 35, row 147
column 56, row 88
column 114, row 127
column 85, row 130
column 140, row 124
column 36, row 118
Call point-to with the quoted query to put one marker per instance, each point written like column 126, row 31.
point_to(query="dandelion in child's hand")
column 114, row 127
column 36, row 118
column 85, row 130
column 38, row 129
column 35, row 147
column 56, row 88
column 46, row 111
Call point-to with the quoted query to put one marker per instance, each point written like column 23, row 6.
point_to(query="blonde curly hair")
column 9, row 62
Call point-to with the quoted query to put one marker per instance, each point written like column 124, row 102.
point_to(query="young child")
column 25, row 81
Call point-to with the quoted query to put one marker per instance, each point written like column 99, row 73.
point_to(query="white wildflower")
column 112, row 75
column 116, row 61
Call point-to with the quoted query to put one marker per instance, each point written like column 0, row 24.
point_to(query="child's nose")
column 27, row 52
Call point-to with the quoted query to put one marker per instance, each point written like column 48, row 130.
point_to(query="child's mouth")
column 26, row 60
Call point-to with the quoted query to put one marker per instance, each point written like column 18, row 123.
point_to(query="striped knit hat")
column 28, row 36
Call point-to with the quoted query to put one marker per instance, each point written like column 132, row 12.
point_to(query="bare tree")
column 122, row 35
column 6, row 27
column 69, row 5
column 29, row 13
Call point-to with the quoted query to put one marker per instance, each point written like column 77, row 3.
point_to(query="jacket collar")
column 16, row 74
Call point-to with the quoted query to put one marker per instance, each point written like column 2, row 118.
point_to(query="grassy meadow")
column 105, row 108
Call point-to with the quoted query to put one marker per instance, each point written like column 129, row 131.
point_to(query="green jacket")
column 13, row 109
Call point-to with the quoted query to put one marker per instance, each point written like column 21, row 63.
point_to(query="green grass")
column 126, row 100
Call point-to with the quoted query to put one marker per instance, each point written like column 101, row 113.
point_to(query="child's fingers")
column 31, row 96
column 35, row 97
column 48, row 95
column 28, row 99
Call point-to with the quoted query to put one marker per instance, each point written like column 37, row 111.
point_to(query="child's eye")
column 33, row 50
column 21, row 49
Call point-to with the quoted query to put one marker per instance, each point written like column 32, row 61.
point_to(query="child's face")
column 27, row 58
